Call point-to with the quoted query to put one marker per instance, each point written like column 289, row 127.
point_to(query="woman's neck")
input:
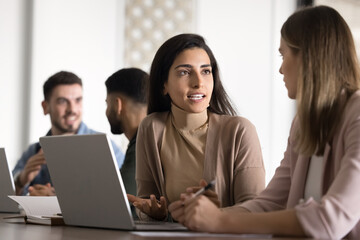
column 186, row 120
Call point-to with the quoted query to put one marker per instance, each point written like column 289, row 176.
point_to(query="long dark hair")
column 164, row 58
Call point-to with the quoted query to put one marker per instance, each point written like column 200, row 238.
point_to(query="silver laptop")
column 6, row 186
column 88, row 183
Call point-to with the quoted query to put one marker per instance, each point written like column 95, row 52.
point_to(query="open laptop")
column 6, row 186
column 88, row 183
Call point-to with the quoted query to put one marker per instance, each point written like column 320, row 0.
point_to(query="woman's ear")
column 165, row 91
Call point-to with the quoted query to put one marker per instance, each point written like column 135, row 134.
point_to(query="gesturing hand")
column 32, row 168
column 42, row 190
column 151, row 207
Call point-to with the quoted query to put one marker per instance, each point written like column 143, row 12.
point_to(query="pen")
column 202, row 190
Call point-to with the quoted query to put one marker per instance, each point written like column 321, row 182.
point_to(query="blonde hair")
column 329, row 69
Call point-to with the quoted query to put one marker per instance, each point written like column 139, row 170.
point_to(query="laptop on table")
column 88, row 184
column 6, row 186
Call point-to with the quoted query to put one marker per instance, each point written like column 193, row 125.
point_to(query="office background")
column 94, row 38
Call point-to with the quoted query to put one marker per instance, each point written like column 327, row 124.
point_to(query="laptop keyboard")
column 141, row 222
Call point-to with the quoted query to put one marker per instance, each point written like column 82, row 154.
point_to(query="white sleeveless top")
column 313, row 185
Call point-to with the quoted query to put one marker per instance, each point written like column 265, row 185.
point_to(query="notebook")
column 6, row 186
column 88, row 184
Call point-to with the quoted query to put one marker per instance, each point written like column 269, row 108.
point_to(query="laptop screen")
column 87, row 181
column 6, row 186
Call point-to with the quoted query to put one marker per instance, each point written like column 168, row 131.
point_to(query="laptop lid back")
column 6, row 186
column 87, row 181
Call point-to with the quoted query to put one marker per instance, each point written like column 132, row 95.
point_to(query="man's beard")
column 116, row 127
column 61, row 129
column 115, row 124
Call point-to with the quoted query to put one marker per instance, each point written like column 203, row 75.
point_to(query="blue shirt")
column 44, row 177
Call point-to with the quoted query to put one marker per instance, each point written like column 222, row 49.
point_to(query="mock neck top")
column 183, row 150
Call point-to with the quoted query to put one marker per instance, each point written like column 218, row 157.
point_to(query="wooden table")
column 16, row 229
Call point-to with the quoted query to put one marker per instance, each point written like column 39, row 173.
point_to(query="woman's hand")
column 201, row 214
column 177, row 208
column 209, row 193
column 151, row 207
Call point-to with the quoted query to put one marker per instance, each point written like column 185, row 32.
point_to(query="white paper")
column 198, row 234
column 38, row 206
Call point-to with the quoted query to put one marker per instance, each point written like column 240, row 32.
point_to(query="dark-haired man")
column 63, row 102
column 126, row 108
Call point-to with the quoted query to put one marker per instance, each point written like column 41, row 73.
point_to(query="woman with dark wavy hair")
column 315, row 191
column 192, row 135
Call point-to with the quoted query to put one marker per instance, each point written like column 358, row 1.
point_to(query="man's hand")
column 42, row 190
column 32, row 168
column 151, row 207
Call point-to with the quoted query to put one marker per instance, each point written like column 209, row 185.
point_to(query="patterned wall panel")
column 149, row 23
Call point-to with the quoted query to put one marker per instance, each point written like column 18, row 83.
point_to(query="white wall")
column 244, row 36
column 85, row 36
column 78, row 36
column 12, row 28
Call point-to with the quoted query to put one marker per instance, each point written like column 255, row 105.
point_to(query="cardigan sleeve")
column 146, row 157
column 249, row 172
column 275, row 195
column 145, row 182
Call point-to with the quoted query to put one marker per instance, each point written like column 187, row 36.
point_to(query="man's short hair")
column 60, row 78
column 132, row 82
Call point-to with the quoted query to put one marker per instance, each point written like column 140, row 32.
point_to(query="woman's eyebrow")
column 190, row 66
column 184, row 65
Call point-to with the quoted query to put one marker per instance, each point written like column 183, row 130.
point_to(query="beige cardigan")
column 232, row 156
